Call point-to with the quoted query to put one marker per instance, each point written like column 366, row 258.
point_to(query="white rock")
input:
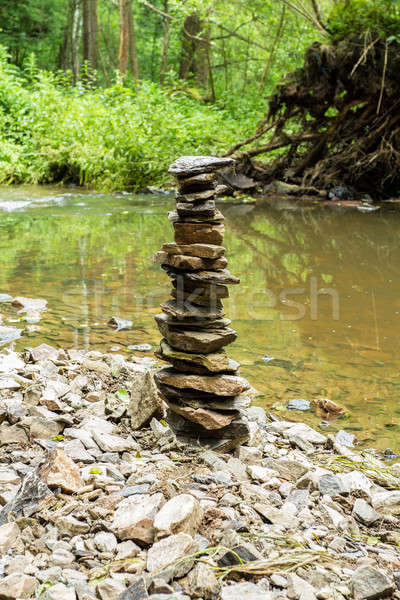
column 333, row 515
column 61, row 557
column 114, row 443
column 97, row 425
column 181, row 513
column 84, row 436
column 202, row 583
column 306, row 433
column 244, row 591
column 77, row 451
column 168, row 551
column 276, row 516
column 145, row 399
column 8, row 534
column 59, row 591
column 238, row 469
column 367, row 583
column 110, row 589
column 262, row 474
column 134, row 517
column 364, row 513
column 16, row 586
column 249, row 455
column 387, row 502
column 127, row 549
column 278, row 580
column 105, row 541
column 11, row 362
column 71, row 526
column 355, row 481
column 299, row 588
column 160, row 430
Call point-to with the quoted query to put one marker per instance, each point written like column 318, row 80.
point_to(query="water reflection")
column 319, row 295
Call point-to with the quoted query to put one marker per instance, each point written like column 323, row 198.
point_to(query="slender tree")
column 127, row 41
column 70, row 46
column 195, row 51
column 165, row 46
column 90, row 32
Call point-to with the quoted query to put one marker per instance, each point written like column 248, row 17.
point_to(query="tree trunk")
column 127, row 40
column 89, row 10
column 69, row 50
column 195, row 51
column 76, row 34
column 165, row 47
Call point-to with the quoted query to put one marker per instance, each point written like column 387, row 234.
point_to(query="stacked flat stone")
column 202, row 386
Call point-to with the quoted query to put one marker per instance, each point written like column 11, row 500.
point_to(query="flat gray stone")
column 136, row 591
column 367, row 583
column 182, row 513
column 168, row 556
column 186, row 166
column 364, row 512
column 330, row 484
column 244, row 591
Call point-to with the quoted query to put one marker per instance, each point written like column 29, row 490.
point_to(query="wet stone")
column 210, row 251
column 202, row 209
column 220, row 277
column 213, row 362
column 188, row 263
column 198, row 341
column 299, row 404
column 194, row 298
column 199, row 233
column 187, row 166
column 185, row 310
column 163, row 320
column 220, row 385
column 210, row 290
column 216, row 218
column 207, row 418
column 197, row 183
column 345, row 438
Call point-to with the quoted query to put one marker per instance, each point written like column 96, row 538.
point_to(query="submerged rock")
column 9, row 334
column 119, row 324
column 299, row 404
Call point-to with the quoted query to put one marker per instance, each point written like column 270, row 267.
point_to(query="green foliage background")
column 123, row 134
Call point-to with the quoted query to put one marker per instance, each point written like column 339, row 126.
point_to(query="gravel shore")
column 100, row 500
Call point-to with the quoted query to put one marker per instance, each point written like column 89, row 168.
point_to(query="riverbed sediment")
column 101, row 500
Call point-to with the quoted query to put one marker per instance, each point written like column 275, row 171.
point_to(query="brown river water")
column 317, row 311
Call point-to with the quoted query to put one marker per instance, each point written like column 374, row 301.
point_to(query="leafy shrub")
column 380, row 17
column 114, row 138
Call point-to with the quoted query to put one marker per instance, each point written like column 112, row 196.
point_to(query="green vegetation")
column 112, row 138
column 89, row 108
column 106, row 93
column 376, row 17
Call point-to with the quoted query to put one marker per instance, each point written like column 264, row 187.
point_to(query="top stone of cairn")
column 192, row 165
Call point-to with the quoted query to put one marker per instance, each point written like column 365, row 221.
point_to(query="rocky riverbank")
column 101, row 500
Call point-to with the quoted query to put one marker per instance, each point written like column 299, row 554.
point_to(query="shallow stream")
column 90, row 256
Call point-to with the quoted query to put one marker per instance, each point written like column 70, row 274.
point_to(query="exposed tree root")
column 334, row 122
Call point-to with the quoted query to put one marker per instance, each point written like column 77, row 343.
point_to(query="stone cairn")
column 202, row 388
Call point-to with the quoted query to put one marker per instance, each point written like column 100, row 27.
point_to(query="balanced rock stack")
column 202, row 388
